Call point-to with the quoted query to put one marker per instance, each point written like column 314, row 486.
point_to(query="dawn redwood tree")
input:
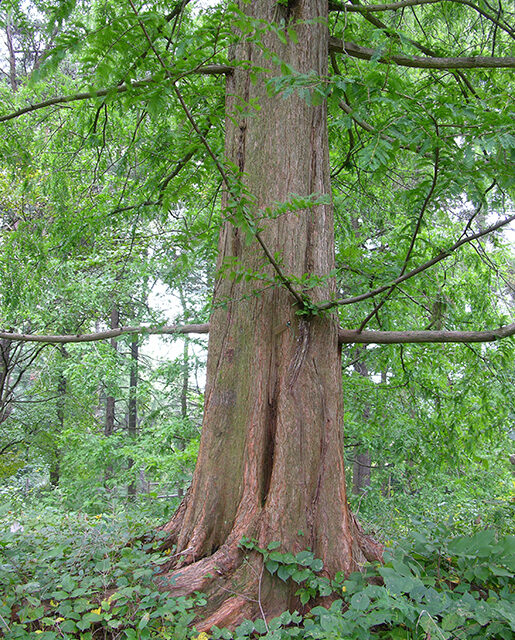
column 270, row 465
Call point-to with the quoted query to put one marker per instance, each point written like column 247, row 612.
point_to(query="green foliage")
column 74, row 576
column 395, row 502
column 432, row 584
column 100, row 198
column 67, row 575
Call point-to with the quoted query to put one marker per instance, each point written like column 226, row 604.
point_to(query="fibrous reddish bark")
column 270, row 464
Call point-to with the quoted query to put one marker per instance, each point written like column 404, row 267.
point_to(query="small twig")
column 423, row 267
column 5, row 623
column 414, row 236
column 477, row 210
column 259, row 597
column 180, row 553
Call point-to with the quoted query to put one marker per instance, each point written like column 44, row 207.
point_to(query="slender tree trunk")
column 5, row 374
column 110, row 400
column 361, row 473
column 12, row 56
column 133, row 404
column 185, row 382
column 362, row 462
column 55, row 468
column 185, row 379
column 184, row 398
column 270, row 464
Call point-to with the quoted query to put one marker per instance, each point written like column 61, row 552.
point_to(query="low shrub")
column 85, row 577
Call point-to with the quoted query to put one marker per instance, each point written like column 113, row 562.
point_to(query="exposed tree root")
column 235, row 581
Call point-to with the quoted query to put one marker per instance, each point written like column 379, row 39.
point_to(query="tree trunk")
column 184, row 386
column 110, row 400
column 12, row 56
column 5, row 374
column 133, row 405
column 270, row 464
column 361, row 467
column 55, row 466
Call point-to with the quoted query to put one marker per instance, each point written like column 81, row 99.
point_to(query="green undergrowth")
column 85, row 576
column 90, row 577
column 474, row 501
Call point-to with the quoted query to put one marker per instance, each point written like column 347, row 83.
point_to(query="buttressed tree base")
column 270, row 465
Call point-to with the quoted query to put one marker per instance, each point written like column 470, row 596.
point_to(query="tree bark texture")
column 12, row 56
column 270, row 464
column 5, row 374
column 55, row 465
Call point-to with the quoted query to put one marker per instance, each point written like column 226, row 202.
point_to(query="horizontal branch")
column 335, row 45
column 105, row 335
column 394, row 6
column 421, row 62
column 346, row 336
column 367, row 8
column 212, row 69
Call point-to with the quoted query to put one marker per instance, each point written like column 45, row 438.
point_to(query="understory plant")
column 85, row 577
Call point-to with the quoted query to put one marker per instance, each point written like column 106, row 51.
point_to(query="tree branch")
column 419, row 62
column 413, row 238
column 335, row 45
column 393, row 6
column 105, row 335
column 390, row 33
column 347, row 336
column 6, row 447
column 426, row 265
column 366, row 8
column 211, row 69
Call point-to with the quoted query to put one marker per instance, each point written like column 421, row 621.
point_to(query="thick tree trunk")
column 270, row 464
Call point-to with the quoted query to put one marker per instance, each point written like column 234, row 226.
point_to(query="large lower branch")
column 420, row 62
column 345, row 336
column 105, row 335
